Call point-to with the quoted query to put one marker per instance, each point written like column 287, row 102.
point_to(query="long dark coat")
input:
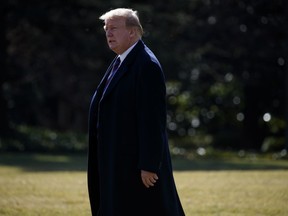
column 127, row 134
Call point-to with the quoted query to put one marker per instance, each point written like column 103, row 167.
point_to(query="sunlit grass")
column 228, row 193
column 42, row 193
column 47, row 185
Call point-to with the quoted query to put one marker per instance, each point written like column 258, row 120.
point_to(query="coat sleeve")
column 151, row 115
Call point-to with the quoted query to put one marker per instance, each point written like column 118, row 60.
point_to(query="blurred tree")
column 285, row 47
column 231, row 71
column 5, row 129
column 52, row 51
column 264, row 65
column 224, row 61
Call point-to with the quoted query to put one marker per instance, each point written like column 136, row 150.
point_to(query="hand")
column 148, row 178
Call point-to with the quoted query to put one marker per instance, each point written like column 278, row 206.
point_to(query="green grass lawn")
column 34, row 184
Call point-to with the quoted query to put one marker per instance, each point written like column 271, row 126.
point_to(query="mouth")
column 111, row 41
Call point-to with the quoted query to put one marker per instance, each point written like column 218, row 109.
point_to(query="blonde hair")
column 131, row 17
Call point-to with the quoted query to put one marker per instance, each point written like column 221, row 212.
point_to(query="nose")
column 108, row 33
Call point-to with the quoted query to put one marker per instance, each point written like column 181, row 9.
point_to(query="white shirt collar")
column 124, row 54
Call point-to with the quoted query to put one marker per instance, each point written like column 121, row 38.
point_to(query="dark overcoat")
column 127, row 134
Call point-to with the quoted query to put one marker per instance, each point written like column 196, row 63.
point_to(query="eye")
column 112, row 28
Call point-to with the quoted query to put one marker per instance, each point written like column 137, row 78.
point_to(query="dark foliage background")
column 225, row 64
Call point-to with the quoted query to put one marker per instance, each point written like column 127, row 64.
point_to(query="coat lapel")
column 101, row 86
column 122, row 69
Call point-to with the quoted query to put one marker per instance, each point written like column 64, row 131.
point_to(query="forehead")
column 115, row 21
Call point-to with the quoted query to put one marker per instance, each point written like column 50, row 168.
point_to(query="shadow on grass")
column 78, row 162
column 229, row 164
column 44, row 162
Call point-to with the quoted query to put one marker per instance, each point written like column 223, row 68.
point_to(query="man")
column 129, row 165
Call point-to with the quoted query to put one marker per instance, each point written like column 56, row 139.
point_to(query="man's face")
column 118, row 35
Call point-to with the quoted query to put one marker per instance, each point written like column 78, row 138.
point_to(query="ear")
column 132, row 32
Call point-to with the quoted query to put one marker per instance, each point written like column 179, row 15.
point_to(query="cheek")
column 123, row 35
column 122, row 39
